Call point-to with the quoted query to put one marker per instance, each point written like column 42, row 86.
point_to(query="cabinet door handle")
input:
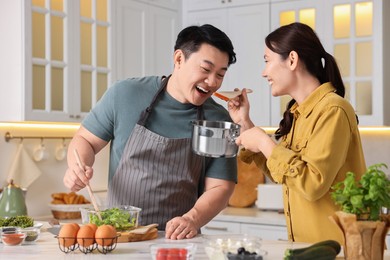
column 216, row 228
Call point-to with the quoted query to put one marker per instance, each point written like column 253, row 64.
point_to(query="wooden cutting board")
column 140, row 233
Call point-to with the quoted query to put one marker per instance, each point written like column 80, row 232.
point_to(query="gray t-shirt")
column 115, row 115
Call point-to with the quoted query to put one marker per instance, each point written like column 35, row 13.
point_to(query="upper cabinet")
column 60, row 56
column 246, row 24
column 353, row 31
column 65, row 65
column 212, row 4
column 144, row 37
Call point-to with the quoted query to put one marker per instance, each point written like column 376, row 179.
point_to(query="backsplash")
column 38, row 194
column 376, row 147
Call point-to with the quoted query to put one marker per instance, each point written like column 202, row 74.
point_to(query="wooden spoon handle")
column 93, row 200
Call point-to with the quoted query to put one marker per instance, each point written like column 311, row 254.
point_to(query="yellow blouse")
column 322, row 146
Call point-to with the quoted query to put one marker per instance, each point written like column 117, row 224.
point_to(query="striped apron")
column 158, row 174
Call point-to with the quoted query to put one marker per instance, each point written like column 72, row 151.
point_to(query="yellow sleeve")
column 248, row 157
column 311, row 163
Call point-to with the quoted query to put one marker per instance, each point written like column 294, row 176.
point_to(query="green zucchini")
column 328, row 249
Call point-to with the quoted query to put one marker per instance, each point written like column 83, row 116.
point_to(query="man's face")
column 198, row 77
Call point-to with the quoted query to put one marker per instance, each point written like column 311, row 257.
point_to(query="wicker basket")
column 67, row 211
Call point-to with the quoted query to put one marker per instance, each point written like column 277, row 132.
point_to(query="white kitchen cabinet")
column 57, row 59
column 144, row 38
column 269, row 225
column 268, row 232
column 353, row 31
column 169, row 4
column 212, row 4
column 221, row 227
column 246, row 25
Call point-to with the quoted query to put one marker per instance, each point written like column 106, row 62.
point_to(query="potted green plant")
column 360, row 218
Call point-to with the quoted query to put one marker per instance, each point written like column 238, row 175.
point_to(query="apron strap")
column 146, row 113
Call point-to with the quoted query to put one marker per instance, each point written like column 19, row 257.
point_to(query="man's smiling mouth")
column 202, row 90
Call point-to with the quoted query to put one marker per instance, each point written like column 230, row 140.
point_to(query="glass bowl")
column 122, row 217
column 242, row 247
column 12, row 238
column 32, row 234
column 179, row 250
column 7, row 229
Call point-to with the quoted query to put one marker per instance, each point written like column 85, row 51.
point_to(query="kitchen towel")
column 23, row 170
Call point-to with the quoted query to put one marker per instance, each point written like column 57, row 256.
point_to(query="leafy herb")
column 366, row 196
column 119, row 218
column 17, row 221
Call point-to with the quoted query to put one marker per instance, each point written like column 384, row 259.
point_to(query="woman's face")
column 278, row 73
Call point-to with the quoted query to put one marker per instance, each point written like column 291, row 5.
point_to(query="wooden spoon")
column 227, row 95
column 81, row 165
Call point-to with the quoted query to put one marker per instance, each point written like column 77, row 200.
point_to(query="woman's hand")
column 239, row 110
column 256, row 140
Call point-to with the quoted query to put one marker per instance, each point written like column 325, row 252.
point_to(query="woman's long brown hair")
column 302, row 39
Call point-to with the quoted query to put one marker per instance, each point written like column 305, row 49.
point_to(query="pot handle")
column 233, row 134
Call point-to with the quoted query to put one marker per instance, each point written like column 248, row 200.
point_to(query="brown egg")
column 105, row 235
column 67, row 235
column 85, row 236
column 93, row 226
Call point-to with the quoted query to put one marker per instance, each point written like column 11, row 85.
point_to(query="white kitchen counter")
column 251, row 216
column 47, row 248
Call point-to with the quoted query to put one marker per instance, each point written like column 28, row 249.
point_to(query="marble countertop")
column 46, row 247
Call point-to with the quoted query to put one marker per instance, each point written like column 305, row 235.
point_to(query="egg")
column 68, row 233
column 105, row 235
column 85, row 236
column 93, row 226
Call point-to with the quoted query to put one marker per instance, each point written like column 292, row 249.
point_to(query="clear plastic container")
column 179, row 251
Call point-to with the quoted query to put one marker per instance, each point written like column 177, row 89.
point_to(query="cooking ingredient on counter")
column 17, row 221
column 12, row 238
column 177, row 251
column 67, row 205
column 171, row 253
column 85, row 236
column 93, row 226
column 327, row 249
column 105, row 235
column 68, row 234
column 32, row 234
column 121, row 219
column 68, row 198
column 243, row 254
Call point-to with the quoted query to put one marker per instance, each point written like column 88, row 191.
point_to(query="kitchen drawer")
column 221, row 227
column 267, row 232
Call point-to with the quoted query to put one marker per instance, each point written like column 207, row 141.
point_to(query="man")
column 149, row 123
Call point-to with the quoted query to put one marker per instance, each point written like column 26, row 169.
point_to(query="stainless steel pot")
column 215, row 138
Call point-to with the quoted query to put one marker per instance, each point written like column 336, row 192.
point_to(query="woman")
column 319, row 136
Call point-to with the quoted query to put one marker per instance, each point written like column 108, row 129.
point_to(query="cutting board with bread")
column 140, row 233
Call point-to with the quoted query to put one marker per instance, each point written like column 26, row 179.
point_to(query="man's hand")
column 180, row 228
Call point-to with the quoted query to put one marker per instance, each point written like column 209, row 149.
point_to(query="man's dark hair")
column 191, row 38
